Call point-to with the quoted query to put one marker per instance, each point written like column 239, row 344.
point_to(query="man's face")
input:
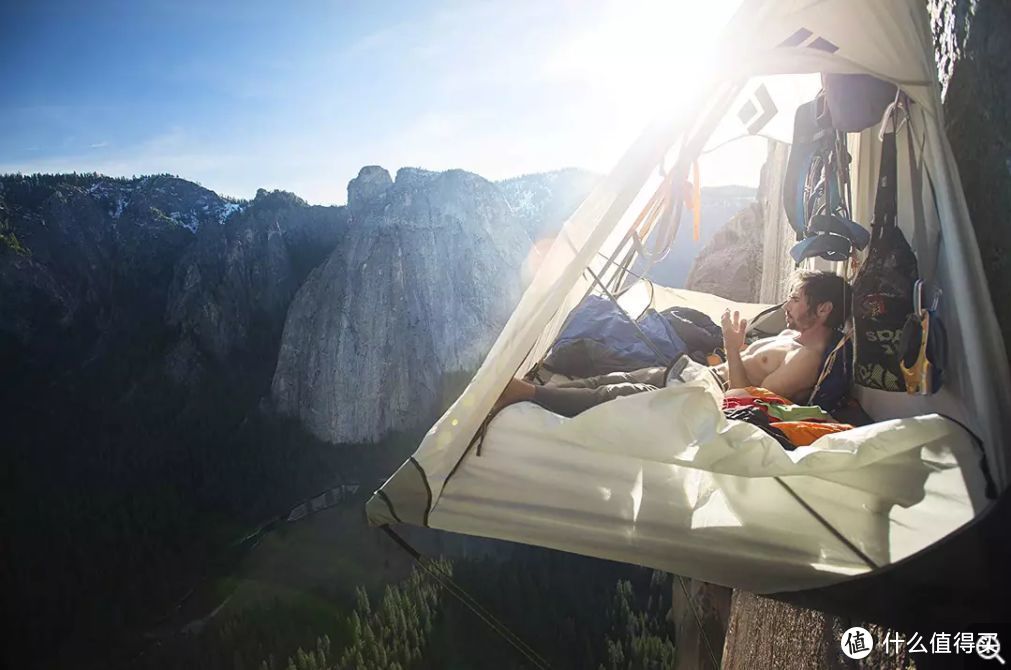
column 799, row 315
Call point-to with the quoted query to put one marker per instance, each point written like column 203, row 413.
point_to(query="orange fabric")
column 803, row 433
column 688, row 195
column 696, row 203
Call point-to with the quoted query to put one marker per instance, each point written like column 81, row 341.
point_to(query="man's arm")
column 798, row 373
column 734, row 328
column 737, row 376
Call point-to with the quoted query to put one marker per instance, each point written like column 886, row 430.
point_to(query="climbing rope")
column 469, row 602
column 698, row 621
column 828, row 526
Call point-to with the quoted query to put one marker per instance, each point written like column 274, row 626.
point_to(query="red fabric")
column 803, row 433
column 800, row 433
column 751, row 400
column 740, row 402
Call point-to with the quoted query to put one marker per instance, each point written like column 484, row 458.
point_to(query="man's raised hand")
column 734, row 328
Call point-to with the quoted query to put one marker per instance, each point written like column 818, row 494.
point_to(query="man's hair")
column 823, row 286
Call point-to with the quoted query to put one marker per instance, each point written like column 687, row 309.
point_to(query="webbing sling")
column 923, row 346
column 883, row 288
column 468, row 601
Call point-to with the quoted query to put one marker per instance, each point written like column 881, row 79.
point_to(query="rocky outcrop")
column 972, row 40
column 425, row 277
column 694, row 602
column 542, row 202
column 91, row 266
column 232, row 289
column 719, row 205
column 369, row 188
column 765, row 634
column 88, row 259
column 730, row 265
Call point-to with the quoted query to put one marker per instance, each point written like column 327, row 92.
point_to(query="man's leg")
column 654, row 376
column 574, row 396
column 570, row 401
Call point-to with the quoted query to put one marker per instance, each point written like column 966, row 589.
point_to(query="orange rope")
column 659, row 205
column 696, row 202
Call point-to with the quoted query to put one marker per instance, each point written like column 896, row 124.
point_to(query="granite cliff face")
column 231, row 289
column 720, row 204
column 158, row 276
column 426, row 275
column 92, row 265
column 140, row 325
column 542, row 202
column 85, row 260
column 972, row 43
column 730, row 264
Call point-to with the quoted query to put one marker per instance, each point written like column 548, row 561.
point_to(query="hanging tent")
column 662, row 479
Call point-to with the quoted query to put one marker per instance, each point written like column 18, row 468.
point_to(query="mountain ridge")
column 145, row 323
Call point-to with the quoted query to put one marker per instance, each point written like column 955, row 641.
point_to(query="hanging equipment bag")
column 883, row 289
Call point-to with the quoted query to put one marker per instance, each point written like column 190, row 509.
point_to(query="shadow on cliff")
column 977, row 106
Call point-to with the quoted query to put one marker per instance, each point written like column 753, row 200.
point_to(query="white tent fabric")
column 663, row 479
column 641, row 295
column 635, row 496
column 765, row 106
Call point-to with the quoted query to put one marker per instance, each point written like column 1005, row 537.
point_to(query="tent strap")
column 468, row 601
column 639, row 332
column 829, row 527
column 698, row 622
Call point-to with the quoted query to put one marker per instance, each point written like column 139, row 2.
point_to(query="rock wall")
column 542, row 202
column 87, row 260
column 424, row 279
column 730, row 264
column 769, row 635
column 719, row 205
column 695, row 646
column 231, row 290
column 972, row 40
column 135, row 279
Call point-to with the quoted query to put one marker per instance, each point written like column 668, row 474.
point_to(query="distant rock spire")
column 368, row 188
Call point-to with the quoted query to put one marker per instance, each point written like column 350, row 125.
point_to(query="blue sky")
column 300, row 95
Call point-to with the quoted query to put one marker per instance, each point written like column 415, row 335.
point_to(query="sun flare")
column 639, row 58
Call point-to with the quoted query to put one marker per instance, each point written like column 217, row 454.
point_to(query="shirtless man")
column 786, row 364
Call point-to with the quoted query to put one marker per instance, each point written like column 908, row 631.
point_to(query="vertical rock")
column 368, row 188
column 698, row 602
column 730, row 264
column 232, row 289
column 972, row 41
column 427, row 274
column 764, row 634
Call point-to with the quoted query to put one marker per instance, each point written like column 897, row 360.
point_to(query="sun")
column 637, row 58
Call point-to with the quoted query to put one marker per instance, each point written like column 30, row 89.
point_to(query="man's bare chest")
column 765, row 356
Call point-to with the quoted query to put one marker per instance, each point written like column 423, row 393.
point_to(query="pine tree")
column 362, row 601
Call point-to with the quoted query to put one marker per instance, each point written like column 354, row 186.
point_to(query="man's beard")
column 801, row 323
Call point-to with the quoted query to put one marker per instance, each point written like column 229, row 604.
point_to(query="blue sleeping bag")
column 599, row 338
